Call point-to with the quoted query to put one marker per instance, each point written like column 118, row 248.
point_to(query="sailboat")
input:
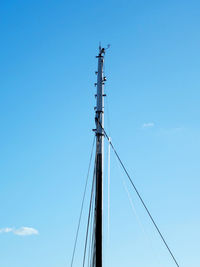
column 94, row 232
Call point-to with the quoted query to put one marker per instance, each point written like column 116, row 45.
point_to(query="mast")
column 99, row 119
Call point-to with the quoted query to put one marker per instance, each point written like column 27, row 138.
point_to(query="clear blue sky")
column 47, row 53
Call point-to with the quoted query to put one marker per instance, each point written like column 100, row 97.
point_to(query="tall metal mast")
column 99, row 119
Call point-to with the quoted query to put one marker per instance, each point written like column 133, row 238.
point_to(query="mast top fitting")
column 102, row 51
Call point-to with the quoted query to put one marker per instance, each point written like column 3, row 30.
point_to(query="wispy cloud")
column 23, row 231
column 148, row 124
column 5, row 230
column 171, row 130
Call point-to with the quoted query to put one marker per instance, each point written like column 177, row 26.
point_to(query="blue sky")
column 152, row 113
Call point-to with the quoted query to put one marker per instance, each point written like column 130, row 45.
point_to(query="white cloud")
column 175, row 130
column 6, row 230
column 148, row 124
column 20, row 231
column 25, row 231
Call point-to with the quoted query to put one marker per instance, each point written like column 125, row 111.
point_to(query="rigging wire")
column 92, row 251
column 134, row 209
column 89, row 215
column 140, row 197
column 91, row 233
column 83, row 199
column 108, row 191
column 93, row 243
column 138, row 220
